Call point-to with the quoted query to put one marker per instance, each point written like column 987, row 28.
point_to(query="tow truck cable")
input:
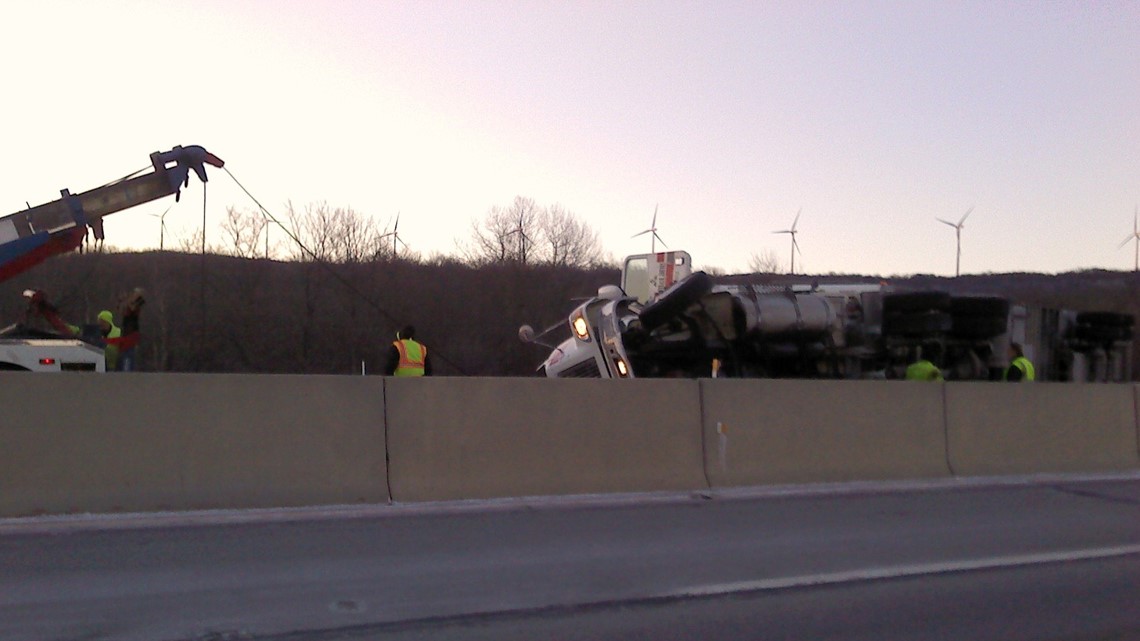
column 328, row 267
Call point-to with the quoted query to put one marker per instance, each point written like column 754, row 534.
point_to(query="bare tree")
column 569, row 241
column 765, row 262
column 244, row 230
column 506, row 235
column 340, row 235
column 527, row 234
column 191, row 244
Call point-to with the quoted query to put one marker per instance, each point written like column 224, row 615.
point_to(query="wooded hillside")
column 227, row 314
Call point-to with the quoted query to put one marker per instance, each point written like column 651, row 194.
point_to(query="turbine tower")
column 958, row 232
column 652, row 230
column 792, row 232
column 1135, row 235
column 395, row 234
column 161, row 227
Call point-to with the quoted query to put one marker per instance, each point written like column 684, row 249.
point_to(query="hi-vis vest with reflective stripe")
column 1026, row 367
column 412, row 356
column 923, row 370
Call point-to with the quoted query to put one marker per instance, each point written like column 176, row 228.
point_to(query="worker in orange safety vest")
column 406, row 356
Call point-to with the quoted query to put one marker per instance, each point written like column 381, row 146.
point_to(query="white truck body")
column 50, row 355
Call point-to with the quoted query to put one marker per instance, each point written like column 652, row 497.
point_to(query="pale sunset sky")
column 874, row 118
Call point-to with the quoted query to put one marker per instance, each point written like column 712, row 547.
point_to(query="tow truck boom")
column 33, row 235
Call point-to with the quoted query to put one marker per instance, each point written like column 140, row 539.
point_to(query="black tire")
column 1107, row 319
column 675, row 300
column 1103, row 333
column 978, row 327
column 979, row 306
column 905, row 302
column 916, row 325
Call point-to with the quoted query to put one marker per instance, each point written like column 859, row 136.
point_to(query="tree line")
column 522, row 233
column 218, row 313
column 333, row 292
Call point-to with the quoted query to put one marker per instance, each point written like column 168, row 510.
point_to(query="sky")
column 871, row 118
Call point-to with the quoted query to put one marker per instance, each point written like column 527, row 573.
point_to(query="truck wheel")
column 1108, row 319
column 675, row 300
column 1103, row 333
column 978, row 327
column 916, row 325
column 979, row 306
column 905, row 302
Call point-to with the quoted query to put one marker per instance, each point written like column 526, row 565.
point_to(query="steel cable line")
column 326, row 266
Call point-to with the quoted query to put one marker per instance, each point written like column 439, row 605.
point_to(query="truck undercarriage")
column 671, row 322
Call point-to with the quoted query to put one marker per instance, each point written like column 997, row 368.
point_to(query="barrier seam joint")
column 701, row 433
column 946, row 430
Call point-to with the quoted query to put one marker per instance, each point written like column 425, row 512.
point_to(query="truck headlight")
column 581, row 328
column 622, row 368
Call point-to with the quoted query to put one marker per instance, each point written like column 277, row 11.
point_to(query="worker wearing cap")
column 406, row 356
column 115, row 341
column 1020, row 368
column 111, row 334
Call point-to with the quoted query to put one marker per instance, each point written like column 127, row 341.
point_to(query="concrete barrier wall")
column 461, row 438
column 797, row 431
column 140, row 442
column 1041, row 427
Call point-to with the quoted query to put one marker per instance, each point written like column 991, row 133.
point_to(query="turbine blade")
column 797, row 218
column 655, row 216
column 660, row 239
column 947, row 222
column 964, row 216
column 642, row 233
column 1127, row 240
column 783, row 231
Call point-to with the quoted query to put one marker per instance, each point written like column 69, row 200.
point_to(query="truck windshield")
column 644, row 276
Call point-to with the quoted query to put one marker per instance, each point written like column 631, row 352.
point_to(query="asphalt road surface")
column 1051, row 559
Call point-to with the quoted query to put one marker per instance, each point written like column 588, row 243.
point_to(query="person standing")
column 407, row 356
column 129, row 309
column 1020, row 368
column 114, row 340
column 925, row 369
column 111, row 335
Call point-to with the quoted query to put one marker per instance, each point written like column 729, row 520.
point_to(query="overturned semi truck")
column 666, row 320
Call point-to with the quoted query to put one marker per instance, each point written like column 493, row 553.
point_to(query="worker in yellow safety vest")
column 925, row 369
column 406, row 356
column 1020, row 368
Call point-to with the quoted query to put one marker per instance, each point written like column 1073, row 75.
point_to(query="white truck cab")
column 594, row 347
column 50, row 355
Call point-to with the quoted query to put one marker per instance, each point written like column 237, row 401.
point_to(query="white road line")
column 901, row 571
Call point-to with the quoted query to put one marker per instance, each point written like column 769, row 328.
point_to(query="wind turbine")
column 1135, row 235
column 652, row 230
column 162, row 227
column 792, row 232
column 395, row 234
column 958, row 231
column 524, row 242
